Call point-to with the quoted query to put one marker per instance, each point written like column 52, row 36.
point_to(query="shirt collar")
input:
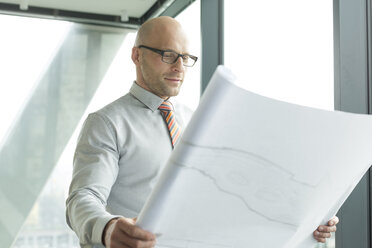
column 151, row 100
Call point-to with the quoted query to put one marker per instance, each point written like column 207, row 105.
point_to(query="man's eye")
column 168, row 55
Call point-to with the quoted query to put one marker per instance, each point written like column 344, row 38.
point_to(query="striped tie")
column 166, row 110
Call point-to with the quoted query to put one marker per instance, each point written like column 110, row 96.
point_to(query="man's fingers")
column 327, row 229
column 124, row 240
column 134, row 231
column 321, row 240
column 323, row 232
column 122, row 233
column 136, row 243
column 318, row 234
column 118, row 244
column 321, row 237
column 138, row 233
column 333, row 221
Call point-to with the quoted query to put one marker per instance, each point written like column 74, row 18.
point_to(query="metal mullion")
column 369, row 88
column 212, row 26
column 353, row 94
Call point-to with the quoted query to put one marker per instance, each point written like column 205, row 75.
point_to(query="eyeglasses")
column 170, row 57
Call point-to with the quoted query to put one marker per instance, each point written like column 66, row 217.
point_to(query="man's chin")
column 174, row 91
column 174, row 94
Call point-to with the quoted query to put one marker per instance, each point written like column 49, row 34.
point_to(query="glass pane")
column 190, row 21
column 87, row 48
column 282, row 49
column 54, row 72
column 24, row 59
column 115, row 83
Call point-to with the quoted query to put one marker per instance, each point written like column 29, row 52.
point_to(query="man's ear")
column 135, row 55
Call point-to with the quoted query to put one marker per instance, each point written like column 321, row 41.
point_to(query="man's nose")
column 178, row 65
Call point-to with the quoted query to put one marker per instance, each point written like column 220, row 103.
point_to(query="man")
column 122, row 147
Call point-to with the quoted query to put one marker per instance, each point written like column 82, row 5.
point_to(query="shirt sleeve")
column 94, row 172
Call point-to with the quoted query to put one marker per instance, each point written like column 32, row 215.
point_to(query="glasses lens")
column 169, row 57
column 188, row 60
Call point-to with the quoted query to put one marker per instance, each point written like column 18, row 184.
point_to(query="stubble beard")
column 158, row 85
column 160, row 88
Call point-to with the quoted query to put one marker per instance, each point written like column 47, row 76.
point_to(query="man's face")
column 160, row 78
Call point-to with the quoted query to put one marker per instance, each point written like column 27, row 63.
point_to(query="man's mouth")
column 173, row 79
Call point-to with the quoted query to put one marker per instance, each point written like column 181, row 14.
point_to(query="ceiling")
column 124, row 13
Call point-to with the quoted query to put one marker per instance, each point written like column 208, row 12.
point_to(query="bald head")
column 155, row 30
column 153, row 73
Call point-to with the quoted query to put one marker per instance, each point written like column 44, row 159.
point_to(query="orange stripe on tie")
column 169, row 117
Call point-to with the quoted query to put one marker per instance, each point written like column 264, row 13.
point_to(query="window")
column 51, row 79
column 190, row 21
column 63, row 72
column 282, row 49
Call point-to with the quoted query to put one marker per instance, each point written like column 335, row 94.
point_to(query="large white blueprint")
column 251, row 171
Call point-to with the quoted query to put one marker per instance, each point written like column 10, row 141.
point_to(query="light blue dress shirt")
column 120, row 152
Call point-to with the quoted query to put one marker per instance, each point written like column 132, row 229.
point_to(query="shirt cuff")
column 100, row 226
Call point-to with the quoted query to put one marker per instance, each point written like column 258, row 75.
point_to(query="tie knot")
column 166, row 106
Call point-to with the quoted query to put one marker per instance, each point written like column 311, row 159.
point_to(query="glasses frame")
column 161, row 52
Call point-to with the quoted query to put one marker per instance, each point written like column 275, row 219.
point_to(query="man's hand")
column 123, row 232
column 324, row 232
